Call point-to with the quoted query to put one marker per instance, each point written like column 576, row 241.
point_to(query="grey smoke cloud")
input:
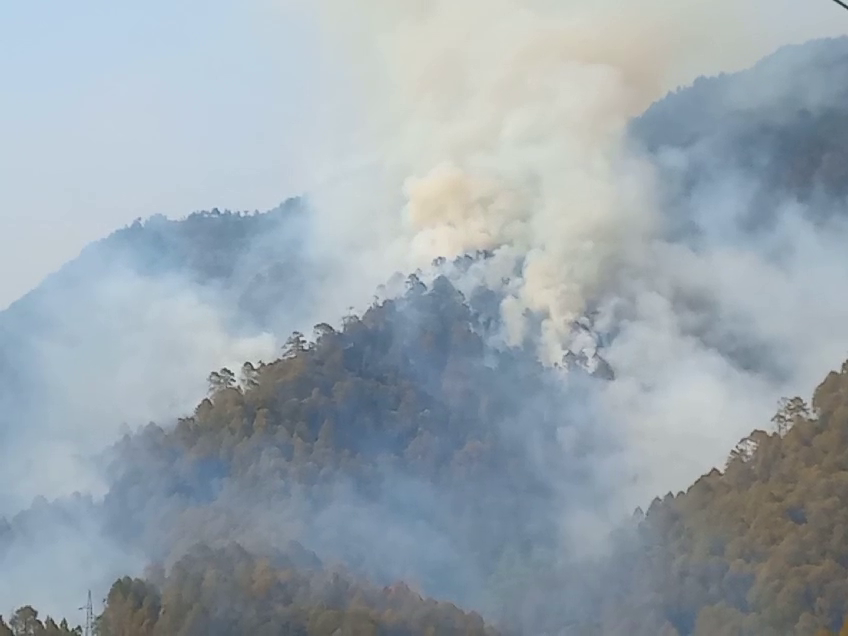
column 504, row 126
column 125, row 350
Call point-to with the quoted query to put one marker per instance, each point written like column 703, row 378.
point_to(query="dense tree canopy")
column 26, row 622
column 228, row 591
column 373, row 471
column 758, row 549
column 402, row 423
column 405, row 422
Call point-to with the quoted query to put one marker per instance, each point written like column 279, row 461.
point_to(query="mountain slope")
column 403, row 446
column 228, row 591
column 412, row 444
column 77, row 353
column 760, row 547
column 777, row 132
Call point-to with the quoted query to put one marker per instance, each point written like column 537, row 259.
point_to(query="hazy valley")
column 543, row 398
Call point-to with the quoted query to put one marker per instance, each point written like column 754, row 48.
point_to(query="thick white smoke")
column 122, row 350
column 131, row 350
column 501, row 125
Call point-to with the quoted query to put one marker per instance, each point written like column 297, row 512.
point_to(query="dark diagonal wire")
column 841, row 4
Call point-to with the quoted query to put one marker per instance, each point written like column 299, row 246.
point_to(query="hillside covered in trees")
column 750, row 143
column 406, row 473
column 229, row 591
column 213, row 285
column 26, row 621
column 248, row 262
column 757, row 548
column 399, row 447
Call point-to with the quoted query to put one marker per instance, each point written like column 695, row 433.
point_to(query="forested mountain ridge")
column 757, row 548
column 399, row 446
column 26, row 621
column 760, row 548
column 411, row 445
column 214, row 286
column 402, row 434
column 229, row 253
column 229, row 591
column 760, row 138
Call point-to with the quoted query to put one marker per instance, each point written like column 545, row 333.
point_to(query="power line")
column 841, row 4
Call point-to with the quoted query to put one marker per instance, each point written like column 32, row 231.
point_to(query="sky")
column 118, row 110
column 114, row 110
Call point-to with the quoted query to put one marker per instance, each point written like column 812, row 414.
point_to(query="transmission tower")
column 89, row 617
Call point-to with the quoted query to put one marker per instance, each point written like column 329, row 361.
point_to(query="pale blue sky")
column 113, row 110
column 117, row 110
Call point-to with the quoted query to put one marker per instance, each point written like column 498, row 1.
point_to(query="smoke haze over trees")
column 449, row 382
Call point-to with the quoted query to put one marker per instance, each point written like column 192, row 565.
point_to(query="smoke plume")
column 502, row 126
